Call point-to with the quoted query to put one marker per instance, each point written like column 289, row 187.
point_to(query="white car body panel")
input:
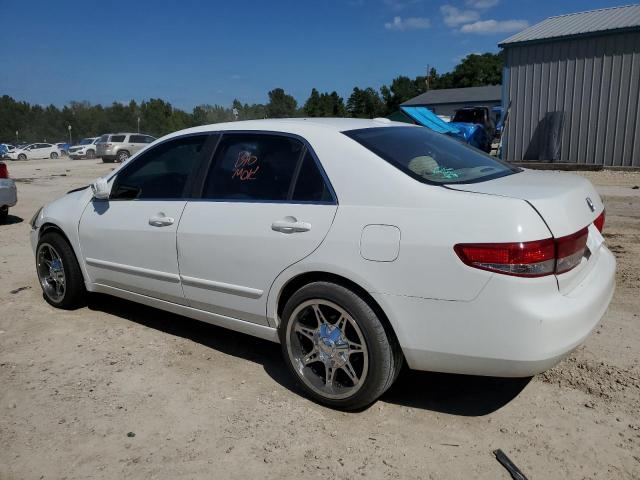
column 122, row 248
column 229, row 255
column 35, row 153
column 232, row 267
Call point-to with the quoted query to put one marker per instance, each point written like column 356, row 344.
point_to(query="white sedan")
column 34, row 151
column 357, row 244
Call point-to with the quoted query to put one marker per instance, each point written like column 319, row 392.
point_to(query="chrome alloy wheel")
column 327, row 349
column 51, row 272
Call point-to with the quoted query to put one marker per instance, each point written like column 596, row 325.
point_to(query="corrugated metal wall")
column 585, row 89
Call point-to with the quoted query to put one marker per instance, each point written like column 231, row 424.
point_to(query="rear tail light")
column 526, row 259
column 570, row 249
column 599, row 222
column 4, row 171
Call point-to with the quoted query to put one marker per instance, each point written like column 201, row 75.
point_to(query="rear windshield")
column 429, row 156
column 86, row 141
column 469, row 116
column 104, row 138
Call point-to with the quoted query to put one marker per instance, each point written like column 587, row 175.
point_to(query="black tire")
column 53, row 155
column 383, row 352
column 107, row 160
column 74, row 293
column 4, row 213
column 122, row 156
column 22, row 156
column 91, row 154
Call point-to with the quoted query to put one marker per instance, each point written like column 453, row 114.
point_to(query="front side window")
column 429, row 156
column 253, row 167
column 162, row 172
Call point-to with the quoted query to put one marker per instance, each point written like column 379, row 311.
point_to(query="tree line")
column 158, row 117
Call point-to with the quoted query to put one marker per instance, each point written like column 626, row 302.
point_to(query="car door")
column 265, row 205
column 129, row 241
column 136, row 143
column 46, row 149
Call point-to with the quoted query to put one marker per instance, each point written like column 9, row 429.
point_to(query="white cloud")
column 410, row 23
column 482, row 3
column 454, row 16
column 484, row 27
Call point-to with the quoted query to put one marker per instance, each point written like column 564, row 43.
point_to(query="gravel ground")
column 119, row 390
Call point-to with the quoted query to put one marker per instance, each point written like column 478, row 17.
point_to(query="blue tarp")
column 469, row 133
column 427, row 118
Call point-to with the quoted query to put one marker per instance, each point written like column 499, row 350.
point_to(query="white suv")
column 117, row 147
column 85, row 149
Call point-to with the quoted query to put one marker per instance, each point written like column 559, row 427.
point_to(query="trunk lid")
column 561, row 199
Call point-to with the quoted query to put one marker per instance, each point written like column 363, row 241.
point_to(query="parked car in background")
column 85, row 149
column 279, row 229
column 6, row 149
column 35, row 150
column 117, row 147
column 8, row 192
column 480, row 116
column 63, row 147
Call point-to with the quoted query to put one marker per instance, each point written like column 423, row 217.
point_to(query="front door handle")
column 290, row 225
column 161, row 220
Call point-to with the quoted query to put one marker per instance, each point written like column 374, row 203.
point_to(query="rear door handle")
column 290, row 225
column 161, row 220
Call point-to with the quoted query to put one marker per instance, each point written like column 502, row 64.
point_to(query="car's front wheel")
column 337, row 347
column 22, row 156
column 59, row 273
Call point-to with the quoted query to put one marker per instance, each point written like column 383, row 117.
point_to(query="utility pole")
column 138, row 123
column 69, row 127
column 17, row 138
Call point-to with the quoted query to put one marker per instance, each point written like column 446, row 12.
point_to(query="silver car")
column 8, row 192
column 117, row 147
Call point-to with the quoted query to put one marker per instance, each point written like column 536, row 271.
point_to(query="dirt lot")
column 118, row 390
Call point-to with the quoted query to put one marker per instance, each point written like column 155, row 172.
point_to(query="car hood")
column 562, row 199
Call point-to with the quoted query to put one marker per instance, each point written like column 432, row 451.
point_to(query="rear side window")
column 253, row 167
column 310, row 184
column 162, row 172
column 137, row 139
column 148, row 139
column 117, row 138
column 430, row 157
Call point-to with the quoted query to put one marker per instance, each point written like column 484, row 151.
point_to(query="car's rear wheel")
column 337, row 347
column 59, row 273
column 53, row 155
column 122, row 156
column 4, row 213
column 22, row 156
column 91, row 154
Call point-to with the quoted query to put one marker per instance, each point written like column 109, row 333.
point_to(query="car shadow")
column 12, row 220
column 462, row 395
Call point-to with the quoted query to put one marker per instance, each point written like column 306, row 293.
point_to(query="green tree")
column 365, row 103
column 281, row 105
column 324, row 105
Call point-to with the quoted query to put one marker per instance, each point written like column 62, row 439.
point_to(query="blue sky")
column 190, row 52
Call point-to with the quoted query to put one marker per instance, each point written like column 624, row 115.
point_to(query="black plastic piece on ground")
column 516, row 474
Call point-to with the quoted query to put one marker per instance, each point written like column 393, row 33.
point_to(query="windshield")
column 469, row 116
column 86, row 141
column 429, row 156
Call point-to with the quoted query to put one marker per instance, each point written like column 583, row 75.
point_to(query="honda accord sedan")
column 358, row 245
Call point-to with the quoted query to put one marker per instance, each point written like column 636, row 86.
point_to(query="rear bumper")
column 8, row 193
column 514, row 328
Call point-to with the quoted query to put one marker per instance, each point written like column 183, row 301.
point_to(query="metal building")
column 447, row 100
column 572, row 84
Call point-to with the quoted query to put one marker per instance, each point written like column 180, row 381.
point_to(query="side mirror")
column 101, row 189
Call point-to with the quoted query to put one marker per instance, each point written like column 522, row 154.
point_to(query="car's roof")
column 297, row 125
